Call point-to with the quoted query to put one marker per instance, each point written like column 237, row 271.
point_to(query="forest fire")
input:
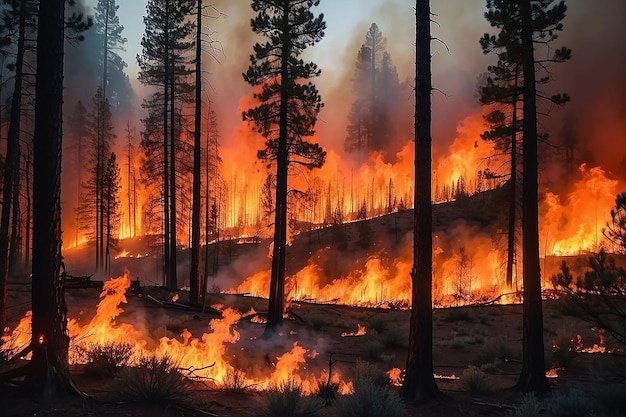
column 205, row 358
column 576, row 224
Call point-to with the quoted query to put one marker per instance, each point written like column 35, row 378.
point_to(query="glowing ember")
column 553, row 373
column 359, row 332
column 395, row 376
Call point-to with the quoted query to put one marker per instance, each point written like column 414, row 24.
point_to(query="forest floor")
column 490, row 335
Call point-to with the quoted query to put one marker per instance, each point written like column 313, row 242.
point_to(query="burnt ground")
column 462, row 336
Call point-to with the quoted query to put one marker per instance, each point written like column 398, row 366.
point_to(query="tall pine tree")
column 287, row 112
column 165, row 65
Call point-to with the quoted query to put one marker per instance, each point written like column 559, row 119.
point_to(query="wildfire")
column 205, row 357
column 577, row 225
column 360, row 332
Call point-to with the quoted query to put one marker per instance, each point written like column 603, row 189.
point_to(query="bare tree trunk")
column 50, row 374
column 194, row 273
column 533, row 376
column 11, row 173
column 419, row 382
column 276, row 305
column 166, row 186
column 513, row 195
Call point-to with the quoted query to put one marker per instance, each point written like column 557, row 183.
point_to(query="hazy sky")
column 595, row 77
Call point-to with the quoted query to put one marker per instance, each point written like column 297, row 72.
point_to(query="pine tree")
column 377, row 89
column 419, row 382
column 502, row 90
column 287, row 112
column 165, row 64
column 92, row 210
column 109, row 33
column 539, row 20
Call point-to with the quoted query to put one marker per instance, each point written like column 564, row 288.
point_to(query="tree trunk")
column 533, row 376
column 50, row 343
column 513, row 196
column 11, row 171
column 277, row 281
column 419, row 382
column 172, row 279
column 166, row 186
column 194, row 275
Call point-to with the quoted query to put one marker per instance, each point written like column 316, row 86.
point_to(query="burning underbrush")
column 218, row 357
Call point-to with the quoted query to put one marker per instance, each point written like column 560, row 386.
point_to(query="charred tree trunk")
column 513, row 196
column 419, row 382
column 166, row 186
column 194, row 276
column 49, row 365
column 277, row 281
column 172, row 280
column 11, row 173
column 533, row 376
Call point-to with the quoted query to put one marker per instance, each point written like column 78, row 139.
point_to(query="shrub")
column 286, row 400
column 378, row 322
column 327, row 391
column 235, row 381
column 494, row 349
column 395, row 338
column 367, row 373
column 474, row 380
column 370, row 400
column 105, row 360
column 530, row 407
column 374, row 348
column 564, row 346
column 154, row 379
column 457, row 314
column 571, row 403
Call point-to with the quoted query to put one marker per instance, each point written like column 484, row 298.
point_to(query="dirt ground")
column 462, row 336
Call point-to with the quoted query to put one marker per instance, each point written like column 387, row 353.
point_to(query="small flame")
column 553, row 373
column 395, row 377
column 360, row 332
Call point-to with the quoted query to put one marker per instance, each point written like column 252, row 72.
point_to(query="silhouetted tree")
column 616, row 229
column 287, row 112
column 539, row 22
column 419, row 382
column 502, row 89
column 50, row 342
column 165, row 64
column 377, row 89
column 92, row 208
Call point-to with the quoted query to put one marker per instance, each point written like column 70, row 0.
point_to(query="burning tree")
column 287, row 111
